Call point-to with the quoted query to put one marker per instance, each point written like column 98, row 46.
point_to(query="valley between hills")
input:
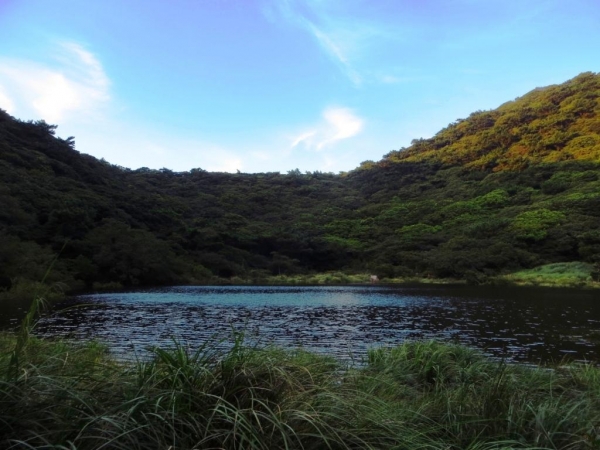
column 510, row 195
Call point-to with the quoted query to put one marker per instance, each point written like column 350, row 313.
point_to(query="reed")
column 420, row 395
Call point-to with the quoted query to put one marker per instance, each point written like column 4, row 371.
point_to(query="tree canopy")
column 496, row 192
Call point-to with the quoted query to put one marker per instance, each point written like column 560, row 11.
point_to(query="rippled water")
column 521, row 324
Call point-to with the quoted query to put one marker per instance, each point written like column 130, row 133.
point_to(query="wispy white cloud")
column 74, row 84
column 342, row 36
column 343, row 122
column 334, row 48
column 337, row 124
column 303, row 137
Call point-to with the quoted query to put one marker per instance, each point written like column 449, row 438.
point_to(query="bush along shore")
column 570, row 275
column 420, row 395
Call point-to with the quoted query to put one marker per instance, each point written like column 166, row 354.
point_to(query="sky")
column 278, row 85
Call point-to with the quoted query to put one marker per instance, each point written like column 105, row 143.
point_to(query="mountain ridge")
column 466, row 203
column 551, row 124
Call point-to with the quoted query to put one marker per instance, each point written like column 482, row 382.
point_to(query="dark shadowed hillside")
column 499, row 191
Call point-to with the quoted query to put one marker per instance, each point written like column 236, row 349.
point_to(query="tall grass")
column 421, row 395
column 39, row 292
column 569, row 274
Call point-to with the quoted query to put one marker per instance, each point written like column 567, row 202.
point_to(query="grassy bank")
column 312, row 279
column 333, row 278
column 416, row 396
column 570, row 274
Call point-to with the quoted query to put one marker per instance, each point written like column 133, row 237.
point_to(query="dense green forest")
column 497, row 192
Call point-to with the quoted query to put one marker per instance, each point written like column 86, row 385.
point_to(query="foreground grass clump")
column 416, row 396
column 569, row 274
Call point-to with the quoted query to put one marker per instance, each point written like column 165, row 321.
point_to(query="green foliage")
column 557, row 274
column 418, row 395
column 535, row 224
column 342, row 243
column 130, row 256
column 557, row 123
column 522, row 180
column 417, row 230
column 497, row 198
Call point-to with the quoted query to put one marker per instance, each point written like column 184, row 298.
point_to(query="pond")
column 534, row 325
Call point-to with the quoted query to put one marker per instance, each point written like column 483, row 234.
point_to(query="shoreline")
column 309, row 281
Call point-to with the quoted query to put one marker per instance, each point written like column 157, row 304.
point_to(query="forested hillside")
column 502, row 190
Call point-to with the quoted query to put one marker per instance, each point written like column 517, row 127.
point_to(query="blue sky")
column 275, row 85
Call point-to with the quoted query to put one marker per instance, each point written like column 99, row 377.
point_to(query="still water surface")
column 520, row 324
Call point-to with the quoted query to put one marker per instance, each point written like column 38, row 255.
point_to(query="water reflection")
column 533, row 325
